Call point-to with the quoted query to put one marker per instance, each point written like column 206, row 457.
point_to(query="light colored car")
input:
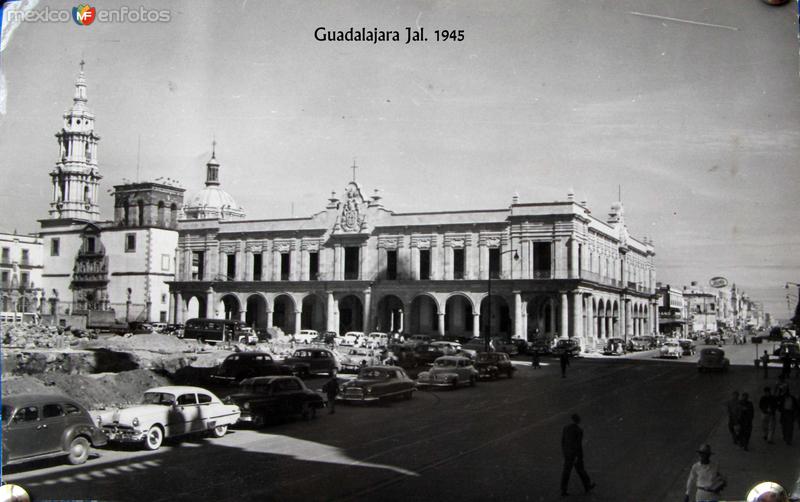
column 248, row 336
column 306, row 336
column 712, row 359
column 169, row 412
column 671, row 348
column 447, row 348
column 358, row 357
column 350, row 338
column 449, row 371
column 376, row 340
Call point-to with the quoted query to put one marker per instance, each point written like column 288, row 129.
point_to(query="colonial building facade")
column 20, row 276
column 104, row 271
column 547, row 269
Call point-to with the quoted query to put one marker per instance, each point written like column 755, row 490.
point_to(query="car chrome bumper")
column 124, row 435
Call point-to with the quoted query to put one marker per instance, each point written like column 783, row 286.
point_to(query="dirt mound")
column 93, row 391
column 31, row 336
column 151, row 342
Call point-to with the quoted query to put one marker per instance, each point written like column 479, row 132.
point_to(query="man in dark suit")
column 572, row 447
column 564, row 360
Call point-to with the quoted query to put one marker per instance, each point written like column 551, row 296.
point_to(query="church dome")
column 212, row 201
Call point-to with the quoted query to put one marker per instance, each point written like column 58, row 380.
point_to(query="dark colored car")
column 713, row 359
column 541, row 347
column 493, row 364
column 237, row 367
column 790, row 349
column 426, row 353
column 327, row 338
column 378, row 382
column 311, row 361
column 265, row 399
column 47, row 425
column 568, row 345
column 687, row 346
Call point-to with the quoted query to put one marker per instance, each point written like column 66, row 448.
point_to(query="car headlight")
column 246, row 406
column 369, row 390
column 135, row 422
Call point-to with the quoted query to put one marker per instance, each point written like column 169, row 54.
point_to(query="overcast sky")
column 699, row 124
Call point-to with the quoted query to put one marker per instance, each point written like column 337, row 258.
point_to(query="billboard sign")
column 718, row 282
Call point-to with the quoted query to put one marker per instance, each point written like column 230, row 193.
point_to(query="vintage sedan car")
column 168, row 412
column 712, row 359
column 614, row 347
column 713, row 340
column 501, row 344
column 540, row 346
column 688, row 346
column 790, row 349
column 377, row 382
column 312, row 361
column 349, row 339
column 449, row 371
column 569, row 345
column 376, row 340
column 477, row 345
column 47, row 425
column 305, row 336
column 237, row 367
column 356, row 358
column 263, row 399
column 671, row 348
column 414, row 340
column 493, row 364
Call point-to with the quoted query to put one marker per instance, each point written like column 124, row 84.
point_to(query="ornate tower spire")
column 76, row 177
column 212, row 166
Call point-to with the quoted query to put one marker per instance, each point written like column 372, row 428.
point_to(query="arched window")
column 141, row 213
column 173, row 215
column 126, row 213
column 86, row 194
column 161, row 221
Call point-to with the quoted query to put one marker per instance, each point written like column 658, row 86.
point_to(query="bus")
column 213, row 330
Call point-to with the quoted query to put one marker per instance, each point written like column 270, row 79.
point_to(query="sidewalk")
column 763, row 462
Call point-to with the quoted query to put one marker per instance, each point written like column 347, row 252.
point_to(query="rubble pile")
column 31, row 336
column 151, row 342
column 93, row 391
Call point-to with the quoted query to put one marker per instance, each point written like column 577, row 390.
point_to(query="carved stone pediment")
column 352, row 211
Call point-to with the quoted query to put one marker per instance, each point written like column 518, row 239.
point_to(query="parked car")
column 712, row 359
column 378, row 382
column 415, row 340
column 503, row 345
column 614, row 347
column 541, row 347
column 791, row 349
column 638, row 343
column 39, row 426
column 311, row 361
column 671, row 349
column 448, row 348
column 350, row 338
column 493, row 364
column 376, row 340
column 358, row 357
column 168, row 412
column 569, row 345
column 212, row 330
column 713, row 340
column 237, row 367
column 659, row 340
column 305, row 336
column 427, row 353
column 263, row 399
column 449, row 371
column 327, row 338
column 248, row 336
column 477, row 345
column 688, row 346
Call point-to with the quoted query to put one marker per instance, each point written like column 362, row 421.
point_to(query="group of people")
column 740, row 418
column 779, row 405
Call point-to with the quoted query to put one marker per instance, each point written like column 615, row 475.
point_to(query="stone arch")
column 313, row 314
column 230, row 305
column 160, row 215
column 256, row 314
column 140, row 207
column 196, row 307
column 389, row 314
column 283, row 309
column 496, row 322
column 351, row 314
column 424, row 314
column 540, row 323
column 615, row 327
column 458, row 318
column 173, row 214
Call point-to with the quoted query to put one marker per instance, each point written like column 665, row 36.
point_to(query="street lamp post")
column 489, row 313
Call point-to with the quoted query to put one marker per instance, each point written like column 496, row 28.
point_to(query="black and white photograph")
column 400, row 250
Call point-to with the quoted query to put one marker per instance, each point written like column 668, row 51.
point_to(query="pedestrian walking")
column 787, row 408
column 733, row 408
column 746, row 415
column 786, row 370
column 564, row 360
column 572, row 448
column 765, row 363
column 331, row 389
column 535, row 360
column 705, row 479
column 768, row 407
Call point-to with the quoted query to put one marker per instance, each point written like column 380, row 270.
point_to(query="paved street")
column 642, row 419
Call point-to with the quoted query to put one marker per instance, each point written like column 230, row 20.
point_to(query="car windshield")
column 373, row 374
column 164, row 398
column 7, row 413
column 446, row 363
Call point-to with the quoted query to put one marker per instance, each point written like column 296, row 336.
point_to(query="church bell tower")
column 75, row 176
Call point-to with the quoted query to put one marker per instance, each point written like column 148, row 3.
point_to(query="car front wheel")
column 219, row 431
column 154, row 438
column 78, row 451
